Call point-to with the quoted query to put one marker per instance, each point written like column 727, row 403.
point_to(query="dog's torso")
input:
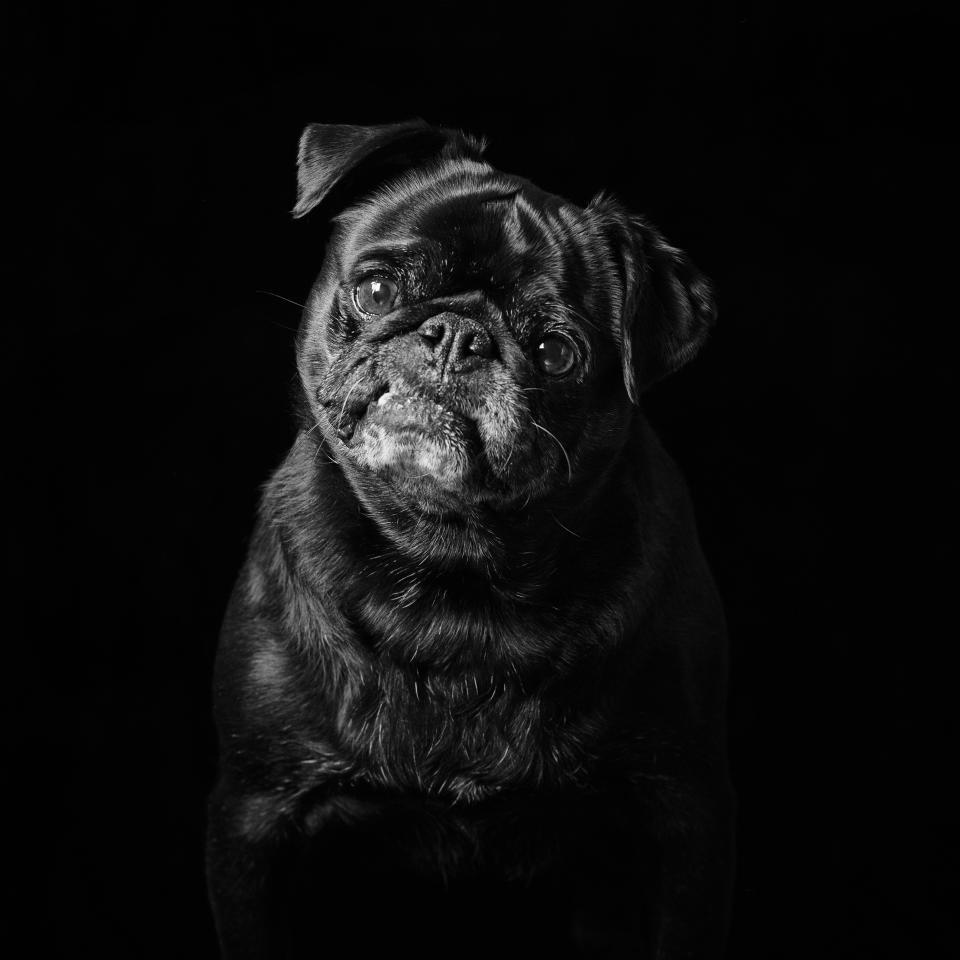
column 505, row 709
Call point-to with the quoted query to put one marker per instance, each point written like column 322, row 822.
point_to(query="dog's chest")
column 463, row 739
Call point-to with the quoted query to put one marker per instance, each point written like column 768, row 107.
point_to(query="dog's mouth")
column 404, row 432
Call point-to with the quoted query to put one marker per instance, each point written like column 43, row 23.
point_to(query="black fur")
column 470, row 687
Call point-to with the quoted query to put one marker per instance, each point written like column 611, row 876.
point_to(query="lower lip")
column 408, row 415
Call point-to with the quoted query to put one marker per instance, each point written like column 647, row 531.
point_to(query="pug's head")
column 473, row 343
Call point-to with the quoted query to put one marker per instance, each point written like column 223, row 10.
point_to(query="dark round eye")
column 375, row 295
column 555, row 355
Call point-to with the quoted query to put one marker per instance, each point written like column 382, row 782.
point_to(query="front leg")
column 693, row 830
column 295, row 875
column 249, row 862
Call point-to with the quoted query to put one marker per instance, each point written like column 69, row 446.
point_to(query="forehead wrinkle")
column 467, row 211
column 583, row 251
column 512, row 230
column 606, row 290
column 475, row 203
column 545, row 239
column 579, row 254
column 436, row 184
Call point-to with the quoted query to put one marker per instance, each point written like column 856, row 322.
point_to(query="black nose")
column 456, row 343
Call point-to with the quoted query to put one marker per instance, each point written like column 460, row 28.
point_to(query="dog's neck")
column 428, row 588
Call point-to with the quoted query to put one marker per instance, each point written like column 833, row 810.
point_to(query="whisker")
column 282, row 326
column 346, row 400
column 562, row 527
column 321, row 448
column 563, row 449
column 279, row 297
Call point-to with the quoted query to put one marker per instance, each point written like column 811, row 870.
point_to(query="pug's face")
column 470, row 341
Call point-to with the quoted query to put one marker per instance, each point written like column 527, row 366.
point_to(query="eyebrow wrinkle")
column 545, row 235
column 501, row 197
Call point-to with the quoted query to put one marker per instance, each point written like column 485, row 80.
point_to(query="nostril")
column 432, row 332
column 477, row 344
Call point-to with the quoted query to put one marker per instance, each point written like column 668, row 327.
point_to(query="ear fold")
column 667, row 306
column 339, row 157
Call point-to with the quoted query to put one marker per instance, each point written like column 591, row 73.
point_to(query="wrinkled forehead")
column 481, row 221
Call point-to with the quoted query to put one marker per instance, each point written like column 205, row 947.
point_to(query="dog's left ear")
column 345, row 161
column 666, row 307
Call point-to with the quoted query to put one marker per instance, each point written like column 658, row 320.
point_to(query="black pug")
column 470, row 688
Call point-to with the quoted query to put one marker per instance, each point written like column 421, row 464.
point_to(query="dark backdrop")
column 800, row 153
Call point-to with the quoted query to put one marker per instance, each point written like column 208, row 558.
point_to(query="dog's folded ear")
column 667, row 306
column 340, row 160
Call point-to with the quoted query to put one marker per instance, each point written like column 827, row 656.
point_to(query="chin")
column 411, row 438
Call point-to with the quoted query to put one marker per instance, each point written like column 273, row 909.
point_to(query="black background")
column 801, row 153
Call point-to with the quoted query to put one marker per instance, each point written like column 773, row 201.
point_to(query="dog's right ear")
column 342, row 159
